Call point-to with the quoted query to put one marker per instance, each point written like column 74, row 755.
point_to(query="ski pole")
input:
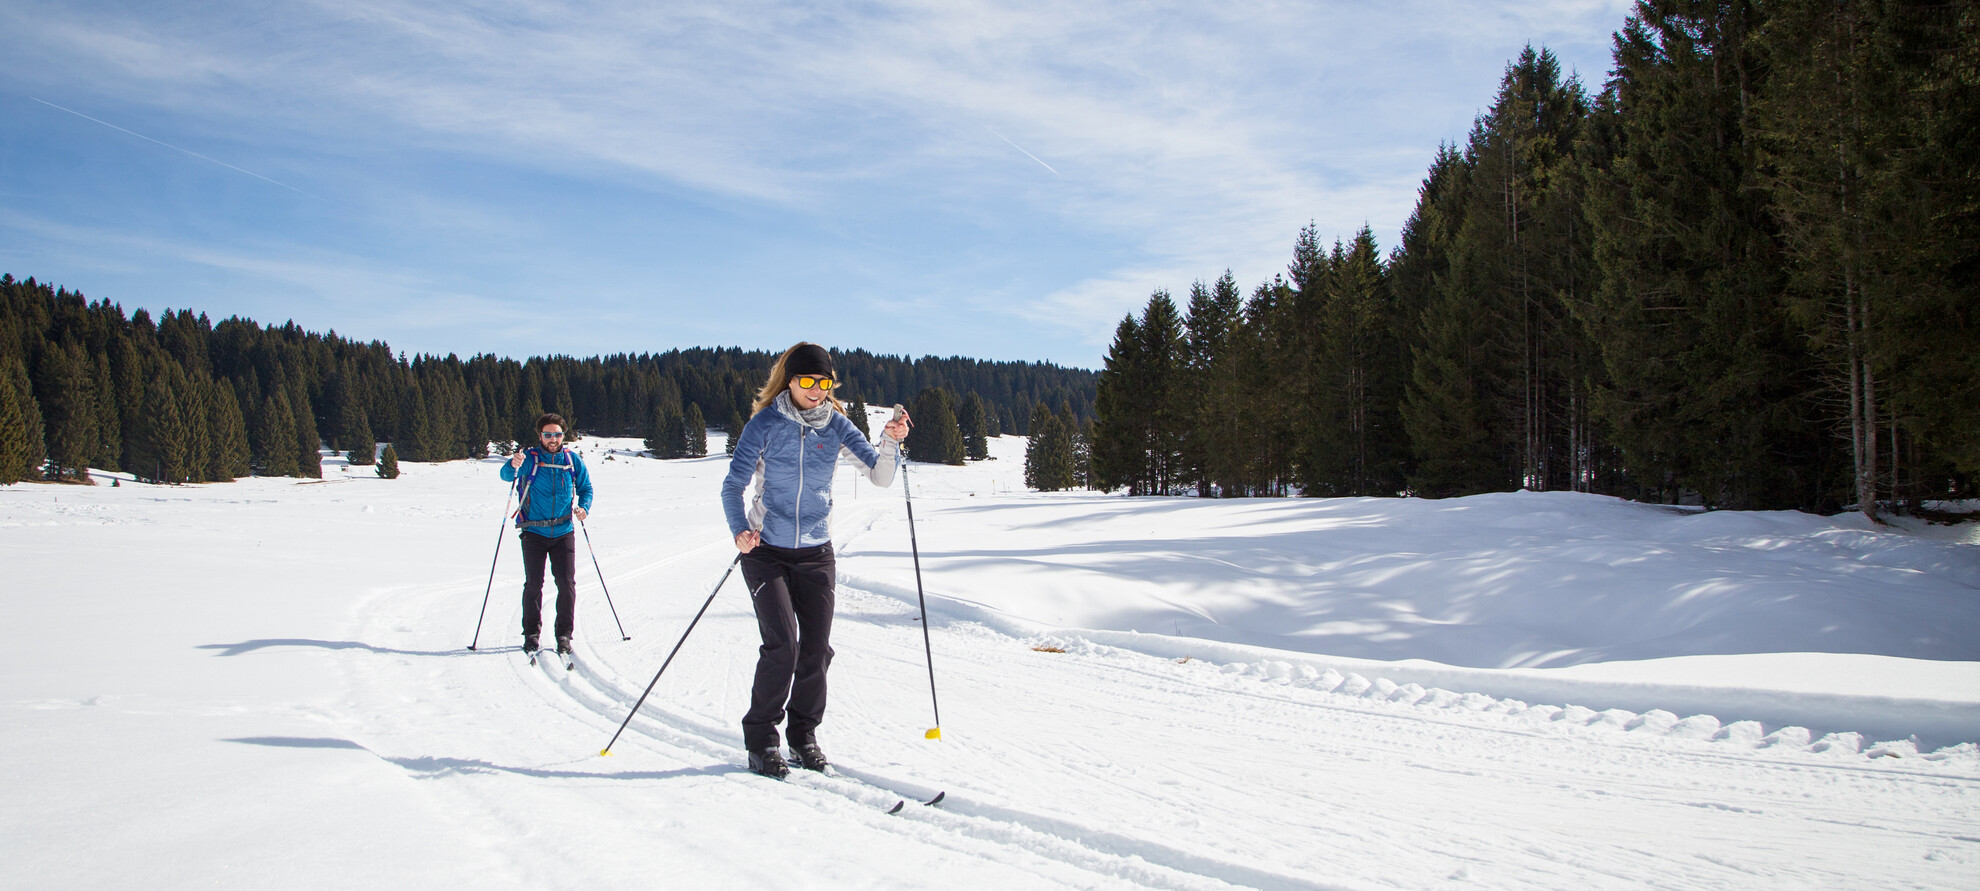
column 491, row 568
column 607, row 751
column 934, row 732
column 601, row 581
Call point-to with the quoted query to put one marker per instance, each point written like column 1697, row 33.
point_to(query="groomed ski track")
column 1096, row 768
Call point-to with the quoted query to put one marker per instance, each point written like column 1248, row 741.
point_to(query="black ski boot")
column 529, row 643
column 563, row 646
column 809, row 756
column 769, row 762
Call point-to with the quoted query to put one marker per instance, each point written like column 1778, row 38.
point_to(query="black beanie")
column 809, row 358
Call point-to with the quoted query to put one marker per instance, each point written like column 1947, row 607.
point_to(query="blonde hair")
column 780, row 380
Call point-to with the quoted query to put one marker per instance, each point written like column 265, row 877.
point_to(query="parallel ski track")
column 1107, row 854
column 595, row 696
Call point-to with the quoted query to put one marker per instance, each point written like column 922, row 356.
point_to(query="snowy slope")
column 266, row 683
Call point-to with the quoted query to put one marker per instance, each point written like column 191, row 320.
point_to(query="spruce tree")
column 229, row 453
column 856, row 412
column 21, row 443
column 364, row 446
column 1047, row 454
column 275, row 442
column 191, row 390
column 1117, row 443
column 696, row 430
column 68, row 411
column 414, row 438
column 1707, row 383
column 357, row 438
column 166, row 445
column 736, row 422
column 935, row 438
column 668, row 439
column 309, row 444
column 975, row 425
column 388, row 463
column 109, row 416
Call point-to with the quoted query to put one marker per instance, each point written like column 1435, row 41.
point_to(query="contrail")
column 1014, row 145
column 196, row 154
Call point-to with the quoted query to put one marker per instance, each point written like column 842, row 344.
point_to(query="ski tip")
column 898, row 805
column 933, row 733
column 937, row 799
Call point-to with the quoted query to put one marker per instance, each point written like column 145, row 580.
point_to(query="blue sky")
column 1002, row 181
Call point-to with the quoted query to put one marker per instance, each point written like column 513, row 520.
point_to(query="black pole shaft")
column 926, row 647
column 601, row 582
column 670, row 656
column 491, row 569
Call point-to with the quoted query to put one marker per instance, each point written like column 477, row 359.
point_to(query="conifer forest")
column 1744, row 272
column 181, row 399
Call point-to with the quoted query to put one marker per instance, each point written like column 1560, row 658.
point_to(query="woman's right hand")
column 747, row 540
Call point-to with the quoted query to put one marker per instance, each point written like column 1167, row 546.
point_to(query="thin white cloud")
column 1189, row 137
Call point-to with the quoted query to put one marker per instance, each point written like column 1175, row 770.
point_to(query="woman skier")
column 789, row 449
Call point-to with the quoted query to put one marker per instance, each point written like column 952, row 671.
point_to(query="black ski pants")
column 562, row 554
column 793, row 591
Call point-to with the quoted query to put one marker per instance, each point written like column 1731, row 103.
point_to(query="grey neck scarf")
column 815, row 418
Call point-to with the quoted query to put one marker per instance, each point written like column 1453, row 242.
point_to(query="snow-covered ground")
column 266, row 684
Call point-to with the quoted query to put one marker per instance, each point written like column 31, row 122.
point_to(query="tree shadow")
column 249, row 646
column 433, row 766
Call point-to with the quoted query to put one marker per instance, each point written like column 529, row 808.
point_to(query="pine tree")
column 1117, row 444
column 357, row 438
column 695, row 426
column 388, row 463
column 309, row 444
column 68, row 411
column 1048, row 458
column 21, row 443
column 109, row 418
column 668, row 439
column 414, row 438
column 229, row 455
column 856, row 412
column 1869, row 205
column 736, row 422
column 191, row 391
column 1707, row 383
column 935, row 437
column 167, row 435
column 275, row 437
column 975, row 425
column 364, row 446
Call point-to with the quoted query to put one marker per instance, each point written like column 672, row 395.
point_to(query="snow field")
column 266, row 683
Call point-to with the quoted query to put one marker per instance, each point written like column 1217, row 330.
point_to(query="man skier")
column 551, row 477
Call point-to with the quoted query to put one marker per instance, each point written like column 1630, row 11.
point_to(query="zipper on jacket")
column 797, row 502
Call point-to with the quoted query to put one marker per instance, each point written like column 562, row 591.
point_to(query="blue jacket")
column 555, row 481
column 792, row 464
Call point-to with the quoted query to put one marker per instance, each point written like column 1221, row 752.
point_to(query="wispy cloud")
column 1184, row 138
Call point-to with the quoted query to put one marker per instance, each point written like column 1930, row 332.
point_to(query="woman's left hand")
column 897, row 429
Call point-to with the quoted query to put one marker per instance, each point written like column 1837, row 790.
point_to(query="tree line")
column 1745, row 272
column 178, row 398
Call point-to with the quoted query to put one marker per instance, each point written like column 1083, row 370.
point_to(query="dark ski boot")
column 809, row 756
column 529, row 643
column 769, row 762
column 563, row 646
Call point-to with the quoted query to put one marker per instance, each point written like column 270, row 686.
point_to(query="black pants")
column 793, row 594
column 562, row 552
